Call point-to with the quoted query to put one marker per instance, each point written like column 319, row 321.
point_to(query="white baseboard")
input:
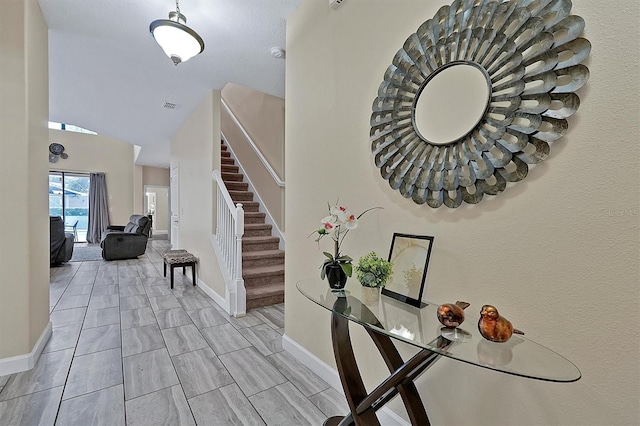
column 330, row 375
column 16, row 364
column 213, row 295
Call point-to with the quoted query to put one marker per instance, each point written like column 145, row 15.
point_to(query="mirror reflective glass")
column 452, row 102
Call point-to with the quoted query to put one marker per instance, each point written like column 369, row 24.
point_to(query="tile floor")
column 127, row 350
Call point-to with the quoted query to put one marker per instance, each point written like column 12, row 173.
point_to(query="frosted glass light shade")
column 179, row 42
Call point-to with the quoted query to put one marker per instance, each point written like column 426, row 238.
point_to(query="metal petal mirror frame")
column 532, row 53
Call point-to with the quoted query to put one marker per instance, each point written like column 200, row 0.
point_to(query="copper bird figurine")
column 493, row 327
column 452, row 314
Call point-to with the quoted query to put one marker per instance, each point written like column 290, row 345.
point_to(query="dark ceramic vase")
column 336, row 276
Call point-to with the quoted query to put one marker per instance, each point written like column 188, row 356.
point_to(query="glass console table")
column 386, row 319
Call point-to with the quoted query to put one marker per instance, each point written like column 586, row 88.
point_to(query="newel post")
column 241, row 293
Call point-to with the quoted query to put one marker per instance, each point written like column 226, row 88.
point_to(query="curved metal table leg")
column 363, row 405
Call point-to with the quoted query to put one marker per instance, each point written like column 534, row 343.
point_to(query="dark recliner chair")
column 60, row 243
column 126, row 242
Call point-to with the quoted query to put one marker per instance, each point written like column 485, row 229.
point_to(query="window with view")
column 69, row 128
column 69, row 199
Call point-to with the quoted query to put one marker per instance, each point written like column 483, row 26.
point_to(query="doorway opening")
column 156, row 206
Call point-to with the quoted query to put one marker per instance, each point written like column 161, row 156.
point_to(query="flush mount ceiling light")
column 179, row 42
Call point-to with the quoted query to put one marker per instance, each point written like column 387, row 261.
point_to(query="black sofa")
column 126, row 242
column 60, row 242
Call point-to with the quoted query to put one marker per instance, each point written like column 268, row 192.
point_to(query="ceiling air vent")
column 170, row 105
column 334, row 4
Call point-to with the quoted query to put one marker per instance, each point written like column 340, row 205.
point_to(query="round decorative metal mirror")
column 475, row 95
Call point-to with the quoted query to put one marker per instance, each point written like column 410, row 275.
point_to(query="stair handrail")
column 229, row 232
column 253, row 146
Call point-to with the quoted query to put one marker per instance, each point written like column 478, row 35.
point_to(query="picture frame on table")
column 410, row 255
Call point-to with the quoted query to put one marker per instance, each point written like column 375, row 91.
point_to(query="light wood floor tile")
column 101, row 408
column 164, row 407
column 175, row 317
column 101, row 317
column 141, row 339
column 251, row 371
column 148, row 372
column 164, row 302
column 158, row 290
column 93, row 372
column 102, row 302
column 137, row 318
column 192, row 302
column 249, row 320
column 132, row 290
column 270, row 315
column 285, row 405
column 264, row 338
column 227, row 405
column 105, row 290
column 150, row 282
column 133, row 281
column 63, row 338
column 183, row 339
column 35, row 409
column 106, row 278
column 331, row 403
column 127, row 272
column 182, row 356
column 55, row 295
column 68, row 302
column 302, row 377
column 208, row 317
column 134, row 302
column 76, row 290
column 98, row 339
column 50, row 371
column 224, row 338
column 184, row 288
column 200, row 372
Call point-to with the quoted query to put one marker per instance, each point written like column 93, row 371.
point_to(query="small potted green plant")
column 373, row 272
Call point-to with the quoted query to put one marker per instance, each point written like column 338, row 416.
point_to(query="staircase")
column 262, row 260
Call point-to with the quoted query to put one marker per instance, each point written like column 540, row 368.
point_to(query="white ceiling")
column 107, row 73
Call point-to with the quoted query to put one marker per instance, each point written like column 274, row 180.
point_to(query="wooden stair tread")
column 270, row 288
column 262, row 254
column 263, row 262
column 266, row 239
column 264, row 291
column 249, row 203
column 255, row 226
column 263, row 271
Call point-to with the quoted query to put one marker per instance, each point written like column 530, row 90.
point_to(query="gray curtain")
column 98, row 209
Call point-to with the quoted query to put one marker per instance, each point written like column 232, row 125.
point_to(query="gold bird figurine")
column 452, row 314
column 493, row 327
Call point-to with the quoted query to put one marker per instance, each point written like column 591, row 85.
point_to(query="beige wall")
column 155, row 176
column 24, row 88
column 138, row 193
column 262, row 117
column 558, row 252
column 195, row 148
column 99, row 153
